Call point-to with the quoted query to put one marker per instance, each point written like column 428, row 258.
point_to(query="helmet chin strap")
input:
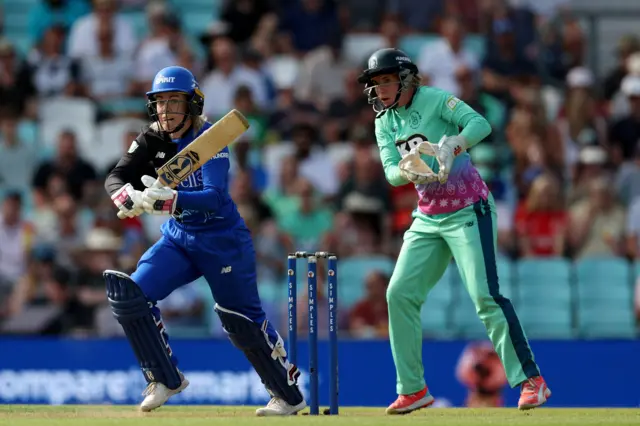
column 179, row 127
column 393, row 104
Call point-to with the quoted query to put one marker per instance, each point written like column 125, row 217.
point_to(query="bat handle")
column 121, row 215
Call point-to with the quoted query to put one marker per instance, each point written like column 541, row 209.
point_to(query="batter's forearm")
column 114, row 182
column 207, row 200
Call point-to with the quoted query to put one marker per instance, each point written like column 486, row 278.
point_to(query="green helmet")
column 387, row 61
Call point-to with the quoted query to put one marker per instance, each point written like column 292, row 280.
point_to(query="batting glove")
column 128, row 201
column 156, row 199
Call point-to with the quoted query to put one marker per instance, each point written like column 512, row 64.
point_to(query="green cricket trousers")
column 469, row 236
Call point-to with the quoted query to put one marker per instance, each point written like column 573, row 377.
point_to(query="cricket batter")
column 456, row 217
column 205, row 236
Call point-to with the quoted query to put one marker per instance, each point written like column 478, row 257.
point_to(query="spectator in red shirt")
column 541, row 219
column 369, row 317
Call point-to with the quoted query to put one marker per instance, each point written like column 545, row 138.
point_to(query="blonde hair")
column 579, row 106
column 540, row 190
column 416, row 81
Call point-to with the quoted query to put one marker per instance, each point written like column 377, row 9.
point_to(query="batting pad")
column 277, row 374
column 133, row 311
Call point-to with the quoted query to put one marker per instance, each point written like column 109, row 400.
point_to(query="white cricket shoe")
column 279, row 407
column 156, row 394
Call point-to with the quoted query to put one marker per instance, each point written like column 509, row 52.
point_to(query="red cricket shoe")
column 534, row 393
column 407, row 403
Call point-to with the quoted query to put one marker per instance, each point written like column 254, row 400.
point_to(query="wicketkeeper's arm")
column 390, row 157
column 474, row 126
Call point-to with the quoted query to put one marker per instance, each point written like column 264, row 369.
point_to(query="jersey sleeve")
column 389, row 155
column 126, row 171
column 215, row 173
column 474, row 126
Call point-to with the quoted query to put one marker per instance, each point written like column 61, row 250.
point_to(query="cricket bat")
column 213, row 140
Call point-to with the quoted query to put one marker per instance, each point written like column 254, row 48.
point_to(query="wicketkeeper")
column 456, row 217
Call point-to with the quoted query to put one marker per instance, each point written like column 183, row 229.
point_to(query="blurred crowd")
column 563, row 161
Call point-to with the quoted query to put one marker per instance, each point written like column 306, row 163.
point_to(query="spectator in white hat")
column 581, row 121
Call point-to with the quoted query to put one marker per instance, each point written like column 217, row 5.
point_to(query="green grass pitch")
column 105, row 415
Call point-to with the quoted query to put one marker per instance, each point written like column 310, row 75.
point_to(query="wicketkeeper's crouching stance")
column 455, row 218
column 205, row 236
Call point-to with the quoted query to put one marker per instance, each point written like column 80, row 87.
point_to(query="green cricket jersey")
column 431, row 114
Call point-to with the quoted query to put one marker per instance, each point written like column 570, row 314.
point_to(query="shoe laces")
column 149, row 389
column 529, row 385
column 273, row 402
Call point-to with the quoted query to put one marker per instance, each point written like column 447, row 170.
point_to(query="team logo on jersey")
column 452, row 102
column 414, row 119
column 133, row 147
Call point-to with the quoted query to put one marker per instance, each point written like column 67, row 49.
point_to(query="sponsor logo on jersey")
column 221, row 155
column 405, row 146
column 225, row 270
column 193, row 181
column 160, row 154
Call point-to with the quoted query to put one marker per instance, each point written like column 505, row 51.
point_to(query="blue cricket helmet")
column 173, row 79
column 176, row 79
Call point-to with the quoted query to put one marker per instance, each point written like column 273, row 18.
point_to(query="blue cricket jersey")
column 203, row 201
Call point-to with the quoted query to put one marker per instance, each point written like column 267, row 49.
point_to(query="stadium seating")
column 543, row 302
column 352, row 273
column 545, row 309
column 61, row 113
column 108, row 145
column 138, row 20
column 605, row 298
column 412, row 45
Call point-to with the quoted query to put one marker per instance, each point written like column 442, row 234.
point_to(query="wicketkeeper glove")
column 447, row 150
column 414, row 169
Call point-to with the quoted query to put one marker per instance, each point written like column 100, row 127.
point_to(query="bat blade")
column 213, row 140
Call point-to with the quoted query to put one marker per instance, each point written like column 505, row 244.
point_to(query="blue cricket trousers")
column 226, row 258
